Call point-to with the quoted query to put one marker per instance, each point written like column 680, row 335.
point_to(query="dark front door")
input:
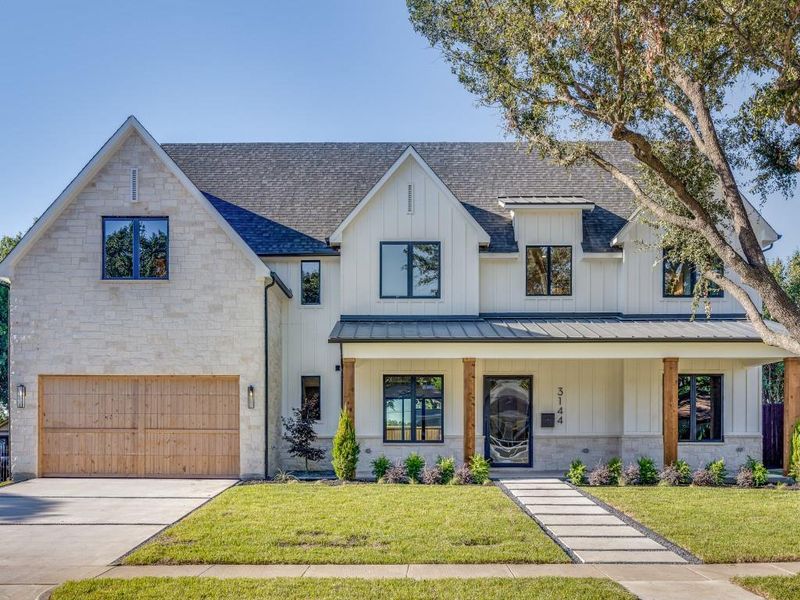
column 507, row 419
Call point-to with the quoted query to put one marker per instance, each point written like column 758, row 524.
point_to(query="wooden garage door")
column 139, row 426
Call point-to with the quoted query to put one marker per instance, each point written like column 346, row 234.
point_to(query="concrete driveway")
column 52, row 530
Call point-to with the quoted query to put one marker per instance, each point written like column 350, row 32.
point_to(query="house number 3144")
column 560, row 409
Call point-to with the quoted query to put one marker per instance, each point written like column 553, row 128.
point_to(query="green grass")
column 353, row 524
column 773, row 587
column 5, row 483
column 719, row 525
column 193, row 588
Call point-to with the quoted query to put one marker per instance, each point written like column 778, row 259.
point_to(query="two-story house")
column 177, row 300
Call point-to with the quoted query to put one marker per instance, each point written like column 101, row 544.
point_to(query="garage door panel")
column 160, row 426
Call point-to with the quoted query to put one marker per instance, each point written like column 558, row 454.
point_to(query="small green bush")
column 717, row 471
column 684, row 470
column 760, row 473
column 648, row 474
column 380, row 466
column 345, row 449
column 794, row 453
column 577, row 472
column 615, row 469
column 479, row 468
column 414, row 464
column 448, row 468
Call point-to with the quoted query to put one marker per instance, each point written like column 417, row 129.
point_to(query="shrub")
column 648, row 474
column 670, row 475
column 284, row 477
column 577, row 472
column 615, row 468
column 396, row 474
column 448, row 468
column 745, row 478
column 414, row 465
column 431, row 475
column 630, row 475
column 600, row 475
column 298, row 432
column 380, row 465
column 345, row 449
column 479, row 468
column 703, row 478
column 685, row 470
column 718, row 471
column 794, row 453
column 760, row 473
column 462, row 476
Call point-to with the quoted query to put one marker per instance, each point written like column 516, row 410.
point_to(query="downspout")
column 266, row 377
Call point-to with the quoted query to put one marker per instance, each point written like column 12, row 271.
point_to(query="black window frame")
column 694, row 277
column 693, row 409
column 410, row 270
column 413, row 400
column 135, row 266
column 303, row 379
column 549, row 248
column 302, row 295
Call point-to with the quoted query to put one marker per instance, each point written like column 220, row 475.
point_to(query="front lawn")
column 773, row 587
column 719, row 525
column 305, row 523
column 191, row 588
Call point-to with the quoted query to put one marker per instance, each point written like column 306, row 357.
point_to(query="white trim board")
column 84, row 177
column 409, row 153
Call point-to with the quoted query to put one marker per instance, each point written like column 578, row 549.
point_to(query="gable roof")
column 289, row 198
column 131, row 126
column 409, row 154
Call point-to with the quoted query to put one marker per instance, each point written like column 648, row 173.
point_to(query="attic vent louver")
column 410, row 199
column 134, row 185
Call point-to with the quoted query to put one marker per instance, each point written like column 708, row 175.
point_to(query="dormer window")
column 548, row 270
column 410, row 269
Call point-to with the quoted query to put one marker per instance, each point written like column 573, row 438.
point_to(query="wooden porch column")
column 791, row 405
column 469, row 408
column 349, row 387
column 670, row 410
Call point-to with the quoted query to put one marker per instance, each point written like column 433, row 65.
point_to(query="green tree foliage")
column 787, row 273
column 693, row 88
column 7, row 244
column 345, row 449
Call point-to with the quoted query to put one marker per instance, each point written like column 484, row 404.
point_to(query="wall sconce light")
column 251, row 396
column 21, row 393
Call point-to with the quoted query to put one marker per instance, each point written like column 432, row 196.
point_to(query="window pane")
column 397, row 386
column 677, row 279
column 310, row 401
column 708, row 403
column 536, row 277
column 394, row 270
column 429, row 419
column 426, row 270
column 310, row 282
column 153, row 244
column 561, row 270
column 118, row 240
column 429, row 387
column 684, row 408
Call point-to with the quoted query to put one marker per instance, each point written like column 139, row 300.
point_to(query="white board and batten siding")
column 434, row 219
column 595, row 282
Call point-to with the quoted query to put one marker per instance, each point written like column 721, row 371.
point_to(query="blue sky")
column 195, row 70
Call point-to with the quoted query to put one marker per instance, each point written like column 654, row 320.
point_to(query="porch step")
column 590, row 531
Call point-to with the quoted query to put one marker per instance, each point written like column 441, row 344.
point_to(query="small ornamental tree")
column 345, row 449
column 299, row 433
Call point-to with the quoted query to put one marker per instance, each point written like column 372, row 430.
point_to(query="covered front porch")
column 540, row 403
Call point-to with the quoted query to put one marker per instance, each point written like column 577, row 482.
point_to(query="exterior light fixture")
column 21, row 393
column 251, row 396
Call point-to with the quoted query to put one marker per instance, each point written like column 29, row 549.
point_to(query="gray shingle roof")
column 289, row 198
column 551, row 329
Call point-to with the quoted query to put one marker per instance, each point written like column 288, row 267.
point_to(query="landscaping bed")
column 190, row 588
column 773, row 587
column 716, row 524
column 306, row 523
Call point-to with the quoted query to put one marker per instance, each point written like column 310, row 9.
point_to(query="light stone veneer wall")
column 207, row 319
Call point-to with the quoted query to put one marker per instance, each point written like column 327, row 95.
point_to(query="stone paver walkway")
column 588, row 530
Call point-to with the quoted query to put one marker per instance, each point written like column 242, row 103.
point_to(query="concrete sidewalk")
column 648, row 582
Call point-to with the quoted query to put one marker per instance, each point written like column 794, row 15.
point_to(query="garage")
column 139, row 426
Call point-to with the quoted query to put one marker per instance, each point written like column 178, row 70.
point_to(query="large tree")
column 699, row 90
column 7, row 243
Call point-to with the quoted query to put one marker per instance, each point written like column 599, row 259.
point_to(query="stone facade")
column 735, row 450
column 207, row 319
column 554, row 453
